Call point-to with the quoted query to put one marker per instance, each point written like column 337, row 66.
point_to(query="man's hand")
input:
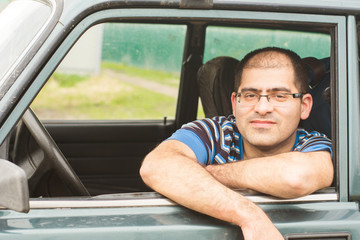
column 257, row 225
column 261, row 229
column 287, row 175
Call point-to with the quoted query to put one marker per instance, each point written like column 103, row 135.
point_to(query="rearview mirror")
column 14, row 191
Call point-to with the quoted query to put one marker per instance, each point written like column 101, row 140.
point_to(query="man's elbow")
column 297, row 186
column 304, row 182
column 147, row 170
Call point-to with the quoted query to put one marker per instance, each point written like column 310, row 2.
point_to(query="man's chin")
column 264, row 142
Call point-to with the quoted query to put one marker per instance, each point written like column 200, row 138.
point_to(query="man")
column 258, row 147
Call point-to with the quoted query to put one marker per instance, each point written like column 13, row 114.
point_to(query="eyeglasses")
column 251, row 98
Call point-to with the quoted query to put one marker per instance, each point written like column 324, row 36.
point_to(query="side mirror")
column 14, row 191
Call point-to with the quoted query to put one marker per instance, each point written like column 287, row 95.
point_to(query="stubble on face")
column 268, row 129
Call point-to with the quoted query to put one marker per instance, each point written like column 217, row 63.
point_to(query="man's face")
column 269, row 126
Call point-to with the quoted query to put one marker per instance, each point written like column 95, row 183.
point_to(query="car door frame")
column 339, row 90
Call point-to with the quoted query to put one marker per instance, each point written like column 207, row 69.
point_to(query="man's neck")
column 251, row 151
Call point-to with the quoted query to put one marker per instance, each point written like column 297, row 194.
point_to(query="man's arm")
column 287, row 175
column 172, row 170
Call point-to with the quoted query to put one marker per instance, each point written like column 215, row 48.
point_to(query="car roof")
column 339, row 7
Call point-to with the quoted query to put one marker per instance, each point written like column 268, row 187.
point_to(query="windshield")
column 20, row 22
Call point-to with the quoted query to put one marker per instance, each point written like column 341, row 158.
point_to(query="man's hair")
column 268, row 58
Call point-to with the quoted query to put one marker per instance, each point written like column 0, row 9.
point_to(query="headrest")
column 316, row 70
column 319, row 77
column 216, row 84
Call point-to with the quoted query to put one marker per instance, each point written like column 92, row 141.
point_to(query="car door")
column 106, row 153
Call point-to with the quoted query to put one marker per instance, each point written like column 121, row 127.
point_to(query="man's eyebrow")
column 279, row 89
column 250, row 89
column 276, row 89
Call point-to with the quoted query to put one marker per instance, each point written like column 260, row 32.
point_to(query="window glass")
column 117, row 71
column 19, row 15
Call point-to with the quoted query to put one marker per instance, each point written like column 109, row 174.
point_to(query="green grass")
column 103, row 97
column 166, row 78
column 100, row 97
column 68, row 80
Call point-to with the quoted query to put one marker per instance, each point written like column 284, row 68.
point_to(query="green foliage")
column 155, row 46
column 237, row 42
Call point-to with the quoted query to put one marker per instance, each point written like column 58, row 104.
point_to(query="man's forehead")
column 269, row 59
column 268, row 79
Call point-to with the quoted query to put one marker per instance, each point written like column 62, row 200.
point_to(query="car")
column 88, row 88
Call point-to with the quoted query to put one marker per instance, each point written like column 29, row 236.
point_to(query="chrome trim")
column 160, row 201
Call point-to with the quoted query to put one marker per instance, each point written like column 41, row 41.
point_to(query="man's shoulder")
column 223, row 120
column 213, row 126
column 311, row 141
column 223, row 123
column 304, row 134
column 218, row 121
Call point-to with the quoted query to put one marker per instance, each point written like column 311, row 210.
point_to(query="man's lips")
column 262, row 123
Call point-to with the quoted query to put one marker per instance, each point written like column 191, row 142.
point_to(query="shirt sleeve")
column 314, row 141
column 201, row 136
column 192, row 141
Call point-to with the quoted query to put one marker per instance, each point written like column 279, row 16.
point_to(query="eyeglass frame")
column 294, row 95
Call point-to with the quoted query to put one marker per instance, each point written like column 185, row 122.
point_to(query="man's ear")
column 233, row 102
column 306, row 105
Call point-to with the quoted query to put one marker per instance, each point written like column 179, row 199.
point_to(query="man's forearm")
column 287, row 175
column 189, row 184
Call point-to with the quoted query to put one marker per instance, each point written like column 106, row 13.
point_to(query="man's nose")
column 263, row 106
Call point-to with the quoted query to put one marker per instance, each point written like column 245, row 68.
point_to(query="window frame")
column 338, row 63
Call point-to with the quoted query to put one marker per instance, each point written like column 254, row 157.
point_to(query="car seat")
column 216, row 83
column 319, row 77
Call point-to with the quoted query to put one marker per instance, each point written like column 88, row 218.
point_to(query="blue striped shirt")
column 218, row 141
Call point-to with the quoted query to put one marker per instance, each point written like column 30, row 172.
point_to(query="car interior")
column 92, row 157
